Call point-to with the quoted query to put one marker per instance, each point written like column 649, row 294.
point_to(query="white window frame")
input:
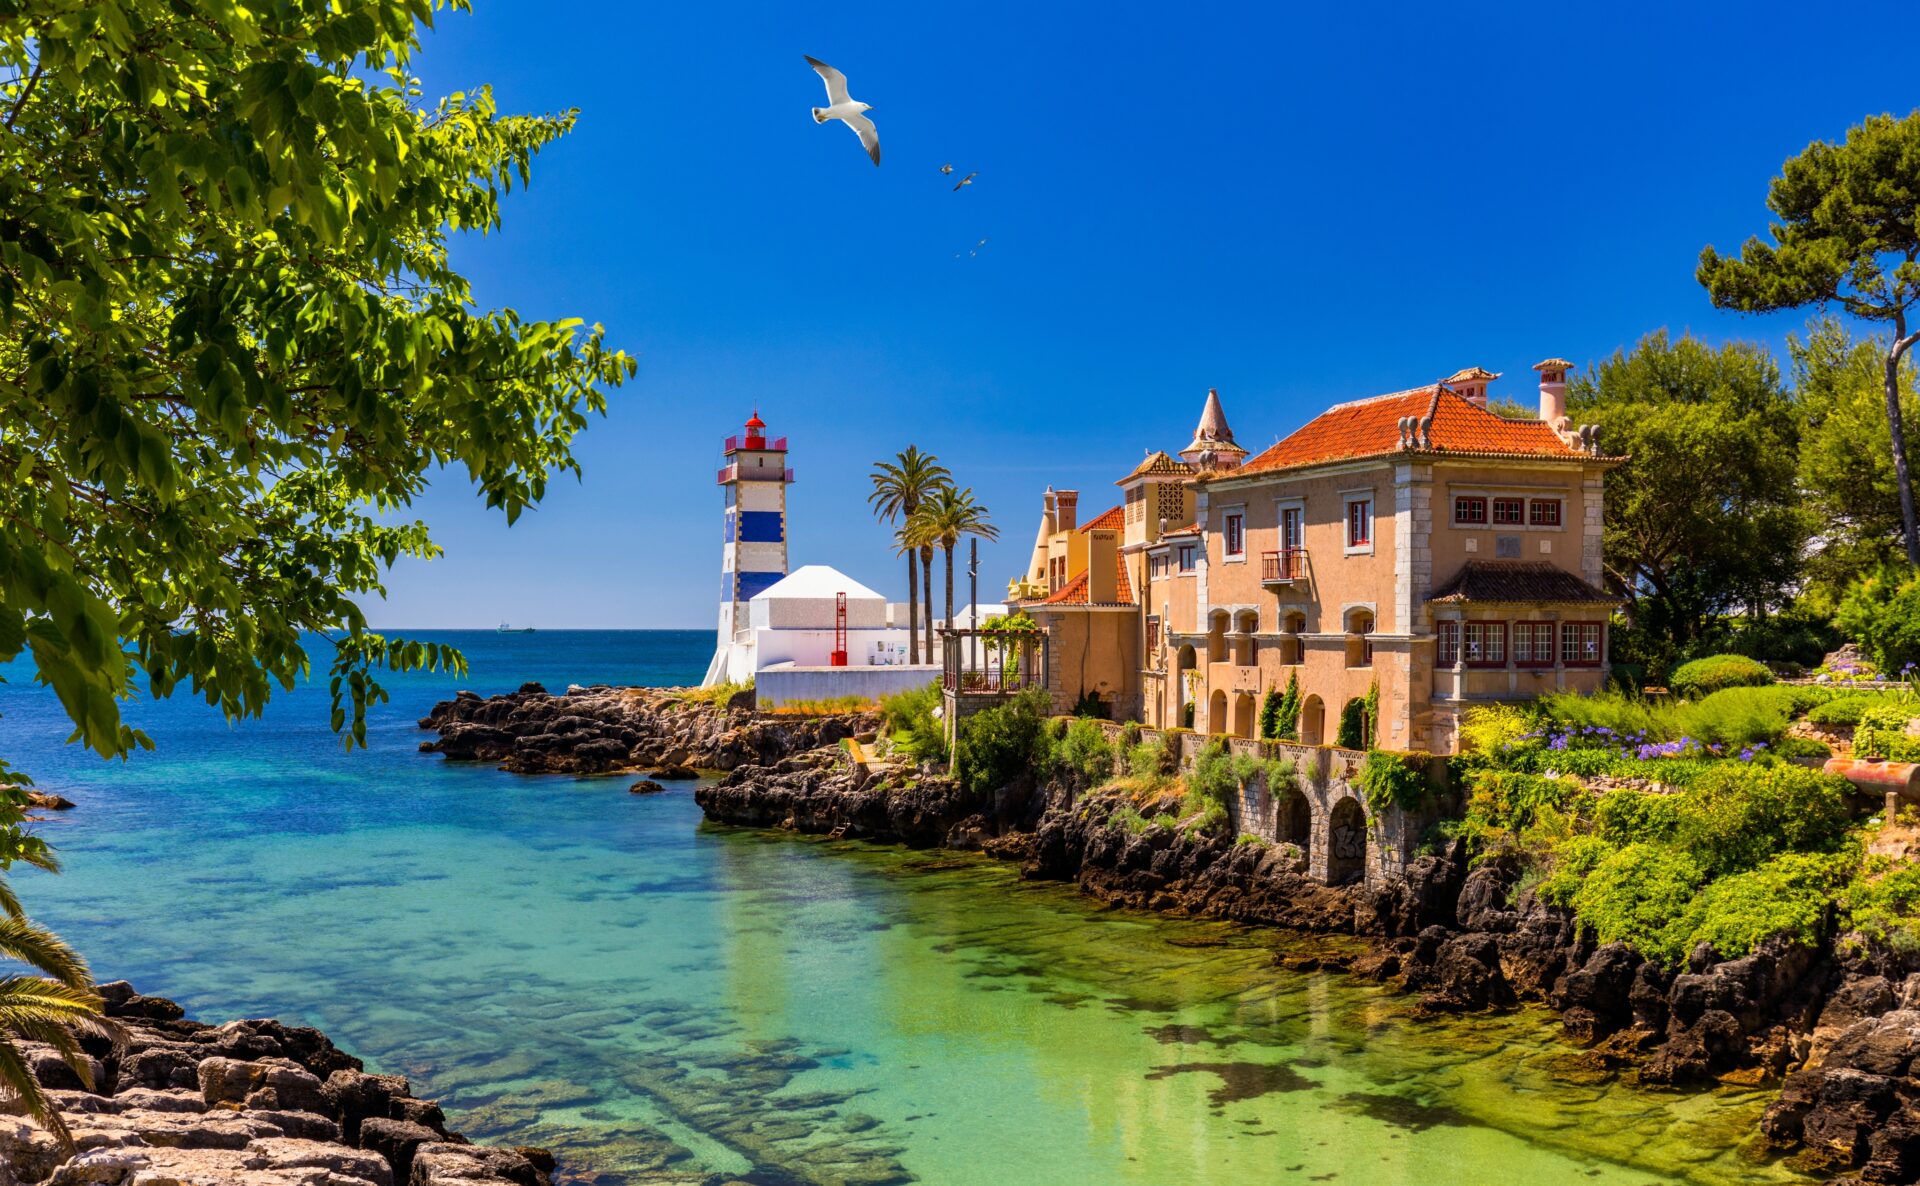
column 1227, row 514
column 1346, row 524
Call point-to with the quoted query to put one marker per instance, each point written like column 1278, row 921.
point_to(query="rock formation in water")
column 250, row 1103
column 602, row 729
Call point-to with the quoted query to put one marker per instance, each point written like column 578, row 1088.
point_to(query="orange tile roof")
column 1371, row 428
column 1074, row 592
column 1113, row 520
column 1157, row 462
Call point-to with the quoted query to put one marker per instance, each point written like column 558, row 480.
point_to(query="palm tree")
column 948, row 517
column 899, row 487
column 55, row 1008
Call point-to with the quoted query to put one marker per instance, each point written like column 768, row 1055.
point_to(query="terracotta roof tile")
column 1074, row 592
column 1371, row 428
column 1519, row 581
column 1157, row 462
column 1113, row 520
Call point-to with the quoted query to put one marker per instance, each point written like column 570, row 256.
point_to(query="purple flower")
column 1557, row 743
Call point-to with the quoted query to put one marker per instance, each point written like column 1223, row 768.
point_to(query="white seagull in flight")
column 846, row 110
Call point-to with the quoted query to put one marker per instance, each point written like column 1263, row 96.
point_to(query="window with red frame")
column 1580, row 644
column 1509, row 512
column 1449, row 643
column 1235, row 534
column 1360, row 523
column 1469, row 511
column 1153, row 633
column 1544, row 512
column 1485, row 644
column 1533, row 644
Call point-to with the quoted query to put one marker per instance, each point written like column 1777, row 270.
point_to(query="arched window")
column 1359, row 638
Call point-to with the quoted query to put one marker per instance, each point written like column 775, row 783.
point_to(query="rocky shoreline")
column 176, row 1102
column 1840, row 1033
column 606, row 730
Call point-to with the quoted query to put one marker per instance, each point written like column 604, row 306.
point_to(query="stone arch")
column 1359, row 625
column 1243, row 714
column 1217, row 712
column 1293, row 648
column 1184, row 661
column 1347, row 840
column 1217, row 636
column 1245, row 647
column 1313, row 721
column 1292, row 817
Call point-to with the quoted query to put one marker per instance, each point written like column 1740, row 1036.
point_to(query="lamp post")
column 973, row 602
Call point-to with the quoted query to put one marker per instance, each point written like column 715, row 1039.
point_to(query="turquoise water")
column 665, row 1001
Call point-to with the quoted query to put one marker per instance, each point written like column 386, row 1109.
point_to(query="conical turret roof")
column 1212, row 439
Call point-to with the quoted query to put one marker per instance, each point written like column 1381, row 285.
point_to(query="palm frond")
column 9, row 901
column 32, row 944
column 17, row 1085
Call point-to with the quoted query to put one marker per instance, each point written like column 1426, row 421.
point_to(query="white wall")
column 814, row 648
column 775, row 686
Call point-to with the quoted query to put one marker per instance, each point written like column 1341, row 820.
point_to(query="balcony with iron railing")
column 1283, row 567
column 733, row 473
column 757, row 443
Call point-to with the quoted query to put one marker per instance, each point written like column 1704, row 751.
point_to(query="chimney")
column 1066, row 510
column 1553, row 390
column 1471, row 383
column 1102, row 568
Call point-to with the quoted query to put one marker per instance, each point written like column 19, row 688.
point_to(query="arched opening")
column 1217, row 713
column 1245, row 623
column 1293, row 648
column 1346, row 842
column 1359, row 642
column 1183, row 664
column 1292, row 817
column 1313, row 721
column 1356, row 725
column 1243, row 714
column 1217, row 636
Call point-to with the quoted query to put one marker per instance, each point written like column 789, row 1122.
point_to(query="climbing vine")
column 1280, row 712
column 1388, row 779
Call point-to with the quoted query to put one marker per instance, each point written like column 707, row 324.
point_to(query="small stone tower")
column 753, row 551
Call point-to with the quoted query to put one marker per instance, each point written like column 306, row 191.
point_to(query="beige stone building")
column 1415, row 547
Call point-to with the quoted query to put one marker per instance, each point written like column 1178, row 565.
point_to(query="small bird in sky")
column 975, row 252
column 967, row 180
column 845, row 109
column 946, row 168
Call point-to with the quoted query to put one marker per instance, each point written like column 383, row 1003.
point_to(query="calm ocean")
column 661, row 1000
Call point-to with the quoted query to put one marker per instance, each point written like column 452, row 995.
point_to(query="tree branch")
column 26, row 92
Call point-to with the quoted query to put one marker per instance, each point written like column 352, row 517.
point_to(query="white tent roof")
column 815, row 581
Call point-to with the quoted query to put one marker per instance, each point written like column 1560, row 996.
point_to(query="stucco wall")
column 775, row 686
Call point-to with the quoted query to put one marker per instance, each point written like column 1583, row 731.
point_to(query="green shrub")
column 1147, row 761
column 1091, row 706
column 1356, row 719
column 1882, row 902
column 1639, row 895
column 1845, row 709
column 1491, row 733
column 1000, row 745
column 1211, row 783
column 1800, row 747
column 1280, row 713
column 910, row 721
column 1249, row 838
column 1882, row 612
column 1635, row 817
column 1504, row 802
column 1788, row 895
column 1086, row 751
column 1280, row 774
column 1571, row 861
column 1883, row 732
column 1715, row 672
column 1389, row 779
column 1737, row 816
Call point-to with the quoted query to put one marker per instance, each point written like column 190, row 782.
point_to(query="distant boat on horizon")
column 508, row 628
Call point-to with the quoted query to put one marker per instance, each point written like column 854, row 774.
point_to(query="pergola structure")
column 984, row 667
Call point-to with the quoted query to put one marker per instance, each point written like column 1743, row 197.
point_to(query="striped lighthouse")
column 753, row 553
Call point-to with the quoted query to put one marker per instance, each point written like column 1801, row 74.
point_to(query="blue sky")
column 1298, row 205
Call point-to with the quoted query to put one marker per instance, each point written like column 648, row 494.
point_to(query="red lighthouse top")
column 755, row 437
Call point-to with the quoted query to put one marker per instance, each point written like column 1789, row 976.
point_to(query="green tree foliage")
column 1846, row 453
column 1001, row 745
column 1359, row 721
column 899, row 487
column 1844, row 234
column 1086, row 752
column 1704, row 519
column 910, row 721
column 1882, row 611
column 232, row 347
column 1280, row 711
column 1390, row 779
column 1713, row 673
column 1639, row 895
column 947, row 517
